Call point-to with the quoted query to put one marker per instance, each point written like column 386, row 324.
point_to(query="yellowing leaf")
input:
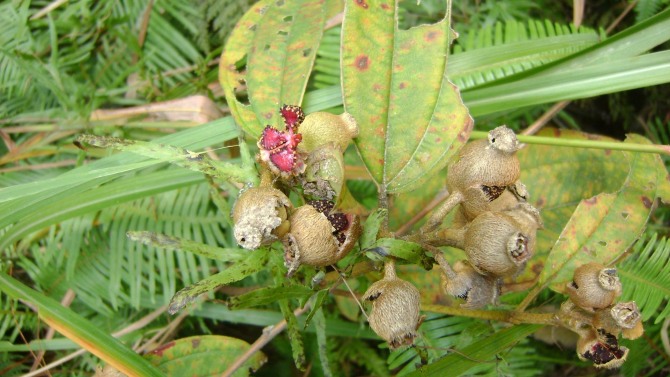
column 411, row 117
column 271, row 50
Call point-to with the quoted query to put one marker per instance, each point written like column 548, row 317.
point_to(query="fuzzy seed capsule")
column 395, row 309
column 324, row 174
column 594, row 286
column 321, row 128
column 490, row 164
column 319, row 236
column 602, row 349
column 465, row 283
column 495, row 245
column 260, row 216
column 624, row 317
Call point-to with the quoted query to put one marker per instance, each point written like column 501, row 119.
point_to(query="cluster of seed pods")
column 494, row 223
column 305, row 158
column 593, row 313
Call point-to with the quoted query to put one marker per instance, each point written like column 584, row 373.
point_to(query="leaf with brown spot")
column 193, row 356
column 278, row 41
column 597, row 231
column 394, row 84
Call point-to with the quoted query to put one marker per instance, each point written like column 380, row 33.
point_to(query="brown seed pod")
column 395, row 309
column 465, row 283
column 602, row 349
column 319, row 236
column 594, row 286
column 260, row 216
column 324, row 174
column 623, row 317
column 479, row 173
column 322, row 128
column 491, row 164
column 495, row 245
column 476, row 201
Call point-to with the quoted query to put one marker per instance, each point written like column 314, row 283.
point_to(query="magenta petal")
column 293, row 116
column 272, row 138
column 284, row 160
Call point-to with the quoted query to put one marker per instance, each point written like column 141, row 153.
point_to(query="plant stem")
column 581, row 143
column 497, row 315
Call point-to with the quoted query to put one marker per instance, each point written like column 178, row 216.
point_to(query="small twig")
column 351, row 291
column 439, row 198
column 545, row 118
column 46, row 10
column 141, row 323
column 50, row 165
column 269, row 333
column 623, row 14
column 664, row 336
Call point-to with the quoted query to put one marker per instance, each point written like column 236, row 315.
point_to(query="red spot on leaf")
column 539, row 202
column 159, row 351
column 362, row 62
column 462, row 137
column 268, row 115
column 377, row 87
column 385, row 7
column 591, row 201
column 195, row 343
column 431, row 36
column 362, row 3
column 646, row 201
column 402, row 85
column 608, row 152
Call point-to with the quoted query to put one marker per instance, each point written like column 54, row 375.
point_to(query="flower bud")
column 395, row 309
column 594, row 286
column 260, row 216
column 465, row 283
column 321, row 128
column 602, row 349
column 319, row 236
column 495, row 245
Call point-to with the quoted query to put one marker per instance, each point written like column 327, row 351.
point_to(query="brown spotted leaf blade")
column 277, row 41
column 558, row 178
column 194, row 356
column 411, row 117
column 603, row 227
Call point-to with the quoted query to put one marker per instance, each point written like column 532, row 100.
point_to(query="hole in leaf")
column 280, row 3
column 267, row 47
column 624, row 215
column 252, row 27
column 602, row 243
column 306, row 52
column 422, row 14
column 282, row 32
column 288, row 19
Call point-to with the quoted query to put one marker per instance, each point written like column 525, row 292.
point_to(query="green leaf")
column 294, row 336
column 193, row 356
column 322, row 342
column 645, row 277
column 409, row 251
column 174, row 155
column 484, row 350
column 603, row 227
column 278, row 41
column 319, row 299
column 255, row 262
column 80, row 330
column 178, row 243
column 269, row 295
column 371, row 228
column 394, row 84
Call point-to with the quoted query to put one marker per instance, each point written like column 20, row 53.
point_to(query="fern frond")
column 645, row 276
column 327, row 63
column 647, row 8
column 495, row 52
